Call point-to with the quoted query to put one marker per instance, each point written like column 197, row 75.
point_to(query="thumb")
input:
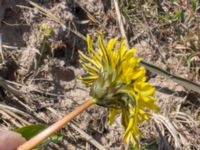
column 10, row 140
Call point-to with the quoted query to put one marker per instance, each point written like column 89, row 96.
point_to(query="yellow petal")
column 85, row 58
column 130, row 53
column 103, row 49
column 89, row 44
column 138, row 73
column 112, row 114
column 90, row 68
column 111, row 44
column 144, row 89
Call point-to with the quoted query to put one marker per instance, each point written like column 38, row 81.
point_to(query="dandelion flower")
column 118, row 82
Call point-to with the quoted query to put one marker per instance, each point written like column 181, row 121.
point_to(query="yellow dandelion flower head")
column 118, row 82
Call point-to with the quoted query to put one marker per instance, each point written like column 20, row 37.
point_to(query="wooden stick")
column 39, row 138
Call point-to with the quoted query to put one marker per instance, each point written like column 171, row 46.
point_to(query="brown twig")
column 39, row 138
column 120, row 22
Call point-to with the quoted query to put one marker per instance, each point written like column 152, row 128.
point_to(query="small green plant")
column 46, row 32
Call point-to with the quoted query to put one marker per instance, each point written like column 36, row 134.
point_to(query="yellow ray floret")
column 118, row 82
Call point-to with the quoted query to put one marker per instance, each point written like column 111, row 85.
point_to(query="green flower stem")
column 39, row 138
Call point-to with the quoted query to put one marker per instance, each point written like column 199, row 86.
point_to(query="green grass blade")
column 186, row 83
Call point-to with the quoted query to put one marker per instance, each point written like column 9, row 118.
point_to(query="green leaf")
column 153, row 146
column 186, row 83
column 56, row 138
column 135, row 148
column 31, row 130
column 194, row 4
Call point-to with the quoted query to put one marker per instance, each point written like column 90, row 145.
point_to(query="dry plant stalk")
column 39, row 138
